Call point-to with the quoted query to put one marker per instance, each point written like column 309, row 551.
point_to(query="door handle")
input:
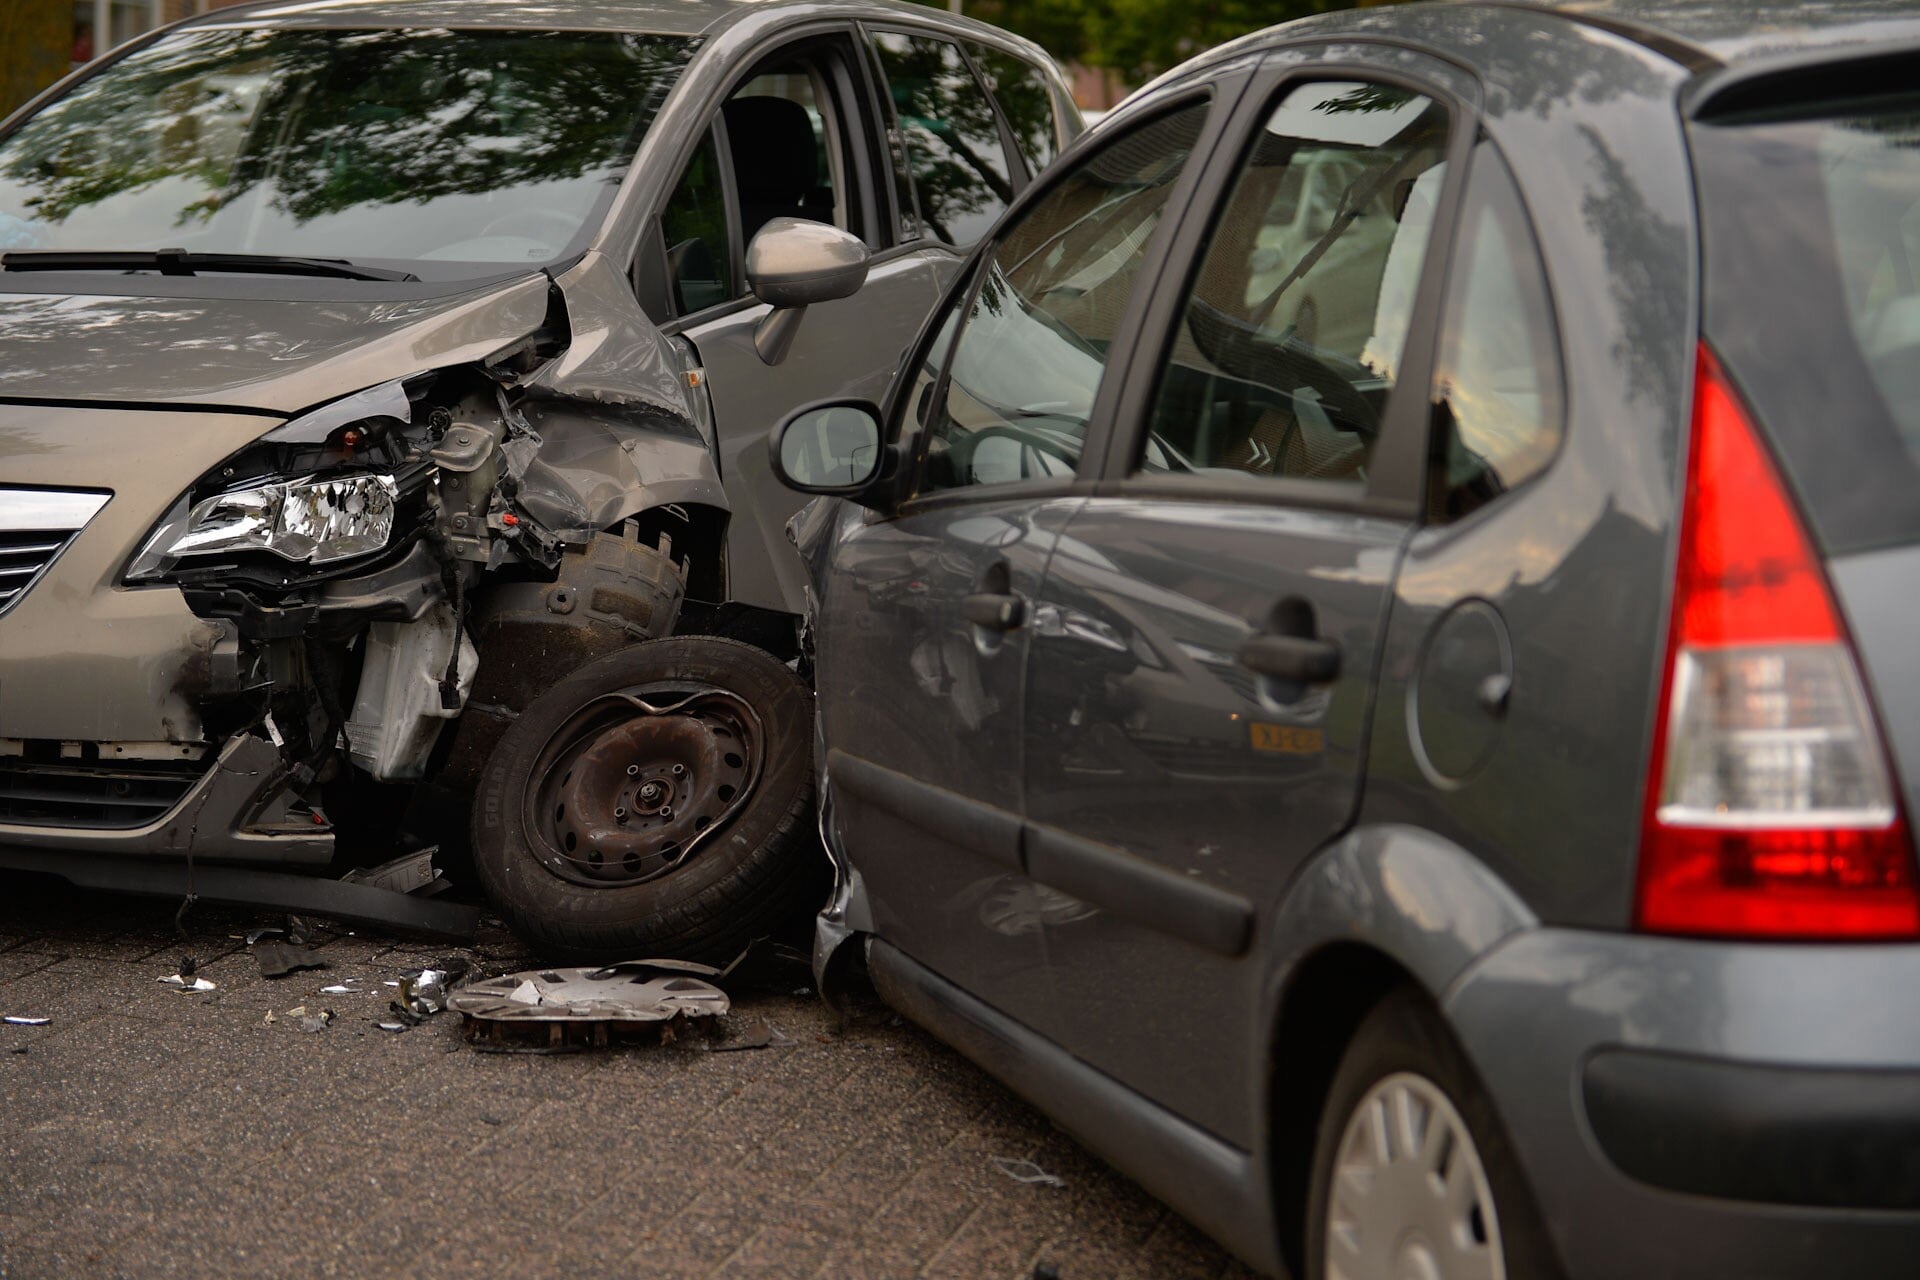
column 994, row 610
column 1307, row 659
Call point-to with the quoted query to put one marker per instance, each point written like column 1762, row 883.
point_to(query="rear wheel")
column 1413, row 1177
column 655, row 803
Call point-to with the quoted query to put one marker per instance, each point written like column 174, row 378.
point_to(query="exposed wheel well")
column 697, row 536
column 1325, row 1000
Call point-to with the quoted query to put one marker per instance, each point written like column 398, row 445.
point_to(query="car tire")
column 758, row 864
column 1401, row 1075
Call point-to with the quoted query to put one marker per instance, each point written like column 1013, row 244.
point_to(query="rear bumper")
column 1690, row 1108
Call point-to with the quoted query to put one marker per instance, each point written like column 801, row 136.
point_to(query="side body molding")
column 993, row 834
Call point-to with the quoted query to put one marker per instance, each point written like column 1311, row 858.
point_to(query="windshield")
column 1812, row 245
column 440, row 152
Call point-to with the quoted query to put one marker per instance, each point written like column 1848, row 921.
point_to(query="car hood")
column 276, row 355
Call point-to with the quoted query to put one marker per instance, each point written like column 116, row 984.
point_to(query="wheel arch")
column 1382, row 909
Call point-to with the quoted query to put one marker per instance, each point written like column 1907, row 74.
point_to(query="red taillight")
column 1771, row 809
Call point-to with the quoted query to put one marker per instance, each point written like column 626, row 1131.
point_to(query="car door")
column 801, row 133
column 1203, row 654
column 921, row 636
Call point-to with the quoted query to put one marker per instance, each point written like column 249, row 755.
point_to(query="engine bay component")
column 405, row 699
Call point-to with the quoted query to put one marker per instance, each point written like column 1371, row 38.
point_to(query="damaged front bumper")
column 189, row 668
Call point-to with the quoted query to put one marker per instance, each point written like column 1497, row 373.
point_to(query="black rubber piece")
column 765, row 866
column 1777, row 1135
column 1405, row 1033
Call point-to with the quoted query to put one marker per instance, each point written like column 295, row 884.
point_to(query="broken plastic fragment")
column 278, row 959
column 757, row 1034
column 317, row 1021
column 1026, row 1172
column 186, row 986
column 341, row 989
column 16, row 1020
column 394, row 1026
column 408, row 873
column 525, row 993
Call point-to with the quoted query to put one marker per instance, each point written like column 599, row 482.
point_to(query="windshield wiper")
column 178, row 262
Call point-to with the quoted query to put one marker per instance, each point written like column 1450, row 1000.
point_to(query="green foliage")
column 1141, row 38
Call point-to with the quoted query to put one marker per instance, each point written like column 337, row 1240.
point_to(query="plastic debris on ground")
column 421, row 994
column 408, row 873
column 1026, row 1172
column 17, row 1020
column 758, row 1034
column 278, row 959
column 314, row 1020
column 187, row 986
column 561, row 1010
column 343, row 989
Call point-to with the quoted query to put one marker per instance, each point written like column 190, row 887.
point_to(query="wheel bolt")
column 633, row 771
column 679, row 769
column 619, row 815
column 666, row 811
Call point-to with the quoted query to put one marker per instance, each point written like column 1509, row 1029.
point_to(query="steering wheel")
column 961, row 453
column 550, row 225
column 1282, row 363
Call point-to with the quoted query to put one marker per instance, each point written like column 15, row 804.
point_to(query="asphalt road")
column 148, row 1133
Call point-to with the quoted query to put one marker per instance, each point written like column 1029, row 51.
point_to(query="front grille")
column 35, row 526
column 24, row 556
column 73, row 793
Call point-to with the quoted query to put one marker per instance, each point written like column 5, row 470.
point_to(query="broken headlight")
column 310, row 520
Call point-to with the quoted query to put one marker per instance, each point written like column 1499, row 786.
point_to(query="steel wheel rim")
column 1409, row 1198
column 635, row 782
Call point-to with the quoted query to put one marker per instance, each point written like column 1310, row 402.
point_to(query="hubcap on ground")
column 1410, row 1199
column 634, row 782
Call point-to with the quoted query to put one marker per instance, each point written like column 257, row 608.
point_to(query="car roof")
column 1709, row 41
column 1737, row 32
column 655, row 17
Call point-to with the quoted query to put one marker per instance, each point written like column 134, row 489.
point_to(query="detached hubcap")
column 635, row 782
column 1410, row 1199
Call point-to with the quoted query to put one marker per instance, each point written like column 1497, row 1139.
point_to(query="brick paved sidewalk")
column 148, row 1133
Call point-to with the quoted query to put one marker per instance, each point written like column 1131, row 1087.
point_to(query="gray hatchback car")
column 1368, row 666
column 369, row 366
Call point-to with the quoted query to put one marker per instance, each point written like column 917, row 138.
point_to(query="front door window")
column 1030, row 357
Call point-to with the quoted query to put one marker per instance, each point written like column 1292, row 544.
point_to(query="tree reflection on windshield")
column 475, row 146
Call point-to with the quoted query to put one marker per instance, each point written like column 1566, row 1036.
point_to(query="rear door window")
column 961, row 177
column 1811, row 236
column 1295, row 317
column 1025, row 95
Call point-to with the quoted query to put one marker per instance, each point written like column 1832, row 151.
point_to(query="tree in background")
column 1142, row 38
column 36, row 39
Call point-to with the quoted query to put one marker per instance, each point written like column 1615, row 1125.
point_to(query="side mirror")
column 833, row 448
column 792, row 264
